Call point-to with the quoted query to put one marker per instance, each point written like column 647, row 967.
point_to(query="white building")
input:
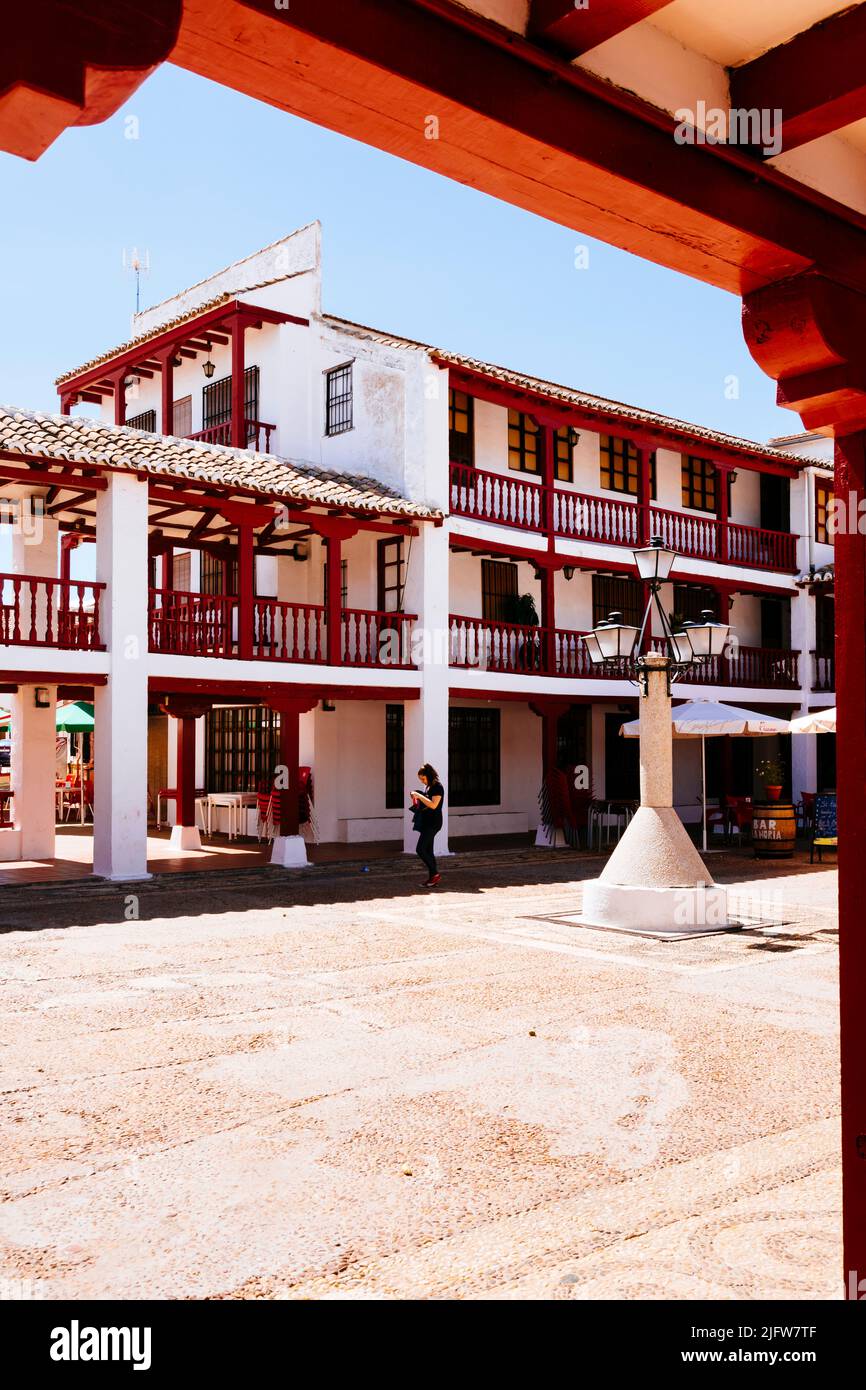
column 320, row 545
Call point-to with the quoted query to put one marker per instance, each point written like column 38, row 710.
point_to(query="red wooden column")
column 246, row 590
column 186, row 710
column 334, row 530
column 723, row 474
column 290, row 709
column 168, row 567
column 548, row 572
column 644, row 494
column 851, row 792
column 166, row 422
column 724, row 617
column 237, row 328
column 117, row 379
column 66, row 403
column 548, row 618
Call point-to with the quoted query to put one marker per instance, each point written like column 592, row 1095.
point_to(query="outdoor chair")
column 824, row 834
column 806, row 813
column 741, row 815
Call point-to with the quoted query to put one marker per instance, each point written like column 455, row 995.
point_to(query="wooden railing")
column 288, row 631
column 581, row 516
column 823, row 672
column 498, row 497
column 513, row 649
column 759, row 549
column 43, row 612
column 258, row 435
column 189, row 624
column 372, row 638
column 612, row 520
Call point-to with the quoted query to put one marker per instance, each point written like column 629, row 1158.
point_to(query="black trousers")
column 424, row 850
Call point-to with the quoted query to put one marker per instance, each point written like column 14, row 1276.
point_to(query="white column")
column 34, row 738
column 34, row 552
column 120, row 735
column 426, row 720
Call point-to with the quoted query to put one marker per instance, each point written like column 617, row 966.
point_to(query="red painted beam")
column 817, row 80
column 268, row 691
column 74, row 64
column 575, row 29
column 522, row 124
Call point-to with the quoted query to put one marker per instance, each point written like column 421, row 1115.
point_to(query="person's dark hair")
column 429, row 772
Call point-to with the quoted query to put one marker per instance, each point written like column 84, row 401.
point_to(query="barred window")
column 473, row 757
column 338, row 399
column 612, row 595
column 216, row 402
column 242, row 748
column 394, row 790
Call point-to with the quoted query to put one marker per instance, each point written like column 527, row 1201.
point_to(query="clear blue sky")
column 213, row 176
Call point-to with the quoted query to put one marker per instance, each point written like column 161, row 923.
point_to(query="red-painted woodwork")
column 237, row 326
column 575, row 29
column 376, row 639
column 256, row 433
column 37, row 612
column 289, row 631
column 815, row 80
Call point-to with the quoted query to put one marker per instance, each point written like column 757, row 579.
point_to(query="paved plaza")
column 332, row 1085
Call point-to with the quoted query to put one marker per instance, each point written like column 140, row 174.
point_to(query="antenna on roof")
column 138, row 262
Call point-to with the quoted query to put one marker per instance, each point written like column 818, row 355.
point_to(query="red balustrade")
column 187, row 624
column 43, row 612
column 579, row 516
column 289, row 631
column 497, row 497
column 823, row 672
column 760, row 549
column 494, row 646
column 763, row 667
column 373, row 638
column 258, row 434
column 696, row 536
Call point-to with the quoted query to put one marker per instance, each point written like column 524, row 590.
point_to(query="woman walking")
column 427, row 820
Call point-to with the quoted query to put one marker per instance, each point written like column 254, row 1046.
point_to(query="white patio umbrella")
column 705, row 719
column 821, row 721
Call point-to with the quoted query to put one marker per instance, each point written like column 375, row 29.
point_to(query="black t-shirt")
column 428, row 819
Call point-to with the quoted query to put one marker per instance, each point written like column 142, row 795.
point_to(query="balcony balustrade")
column 511, row 649
column 45, row 612
column 823, row 672
column 188, row 624
column 530, row 506
column 258, row 434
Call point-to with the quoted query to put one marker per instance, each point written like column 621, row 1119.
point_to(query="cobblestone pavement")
column 332, row 1084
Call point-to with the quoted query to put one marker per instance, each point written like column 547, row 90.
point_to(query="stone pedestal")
column 290, row 852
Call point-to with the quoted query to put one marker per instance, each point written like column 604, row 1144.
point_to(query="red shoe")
column 431, row 882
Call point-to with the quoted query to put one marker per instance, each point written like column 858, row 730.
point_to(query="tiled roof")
column 567, row 394
column 825, row 574
column 165, row 327
column 71, row 439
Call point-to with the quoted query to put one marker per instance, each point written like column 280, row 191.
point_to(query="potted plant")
column 772, row 773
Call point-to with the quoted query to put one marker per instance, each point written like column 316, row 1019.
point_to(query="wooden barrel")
column 774, row 829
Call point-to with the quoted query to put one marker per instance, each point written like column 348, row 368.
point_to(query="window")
column 611, row 595
column 563, row 455
column 145, row 421
column 690, row 600
column 524, row 443
column 572, row 737
column 774, row 615
column 389, row 575
column 619, row 465
column 344, row 585
column 825, row 625
column 242, row 748
column 182, row 576
column 218, row 576
column 394, row 791
column 473, row 757
column 216, row 401
column 461, row 432
column 622, row 760
column 699, row 483
column 338, row 399
column 181, row 417
column 823, row 513
column 498, row 590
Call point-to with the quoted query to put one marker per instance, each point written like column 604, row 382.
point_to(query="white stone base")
column 10, row 845
column 185, row 837
column 290, row 852
column 543, row 840
column 688, row 910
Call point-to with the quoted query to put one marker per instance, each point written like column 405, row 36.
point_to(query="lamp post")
column 655, row 880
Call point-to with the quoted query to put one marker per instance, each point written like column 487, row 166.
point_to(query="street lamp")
column 613, row 642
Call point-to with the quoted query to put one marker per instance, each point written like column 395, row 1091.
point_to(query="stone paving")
column 331, row 1084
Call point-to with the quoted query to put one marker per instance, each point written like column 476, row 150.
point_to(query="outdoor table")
column 235, row 802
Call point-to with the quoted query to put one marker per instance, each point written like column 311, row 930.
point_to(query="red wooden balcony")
column 613, row 520
column 187, row 624
column 43, row 612
column 258, row 435
column 823, row 672
column 515, row 650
